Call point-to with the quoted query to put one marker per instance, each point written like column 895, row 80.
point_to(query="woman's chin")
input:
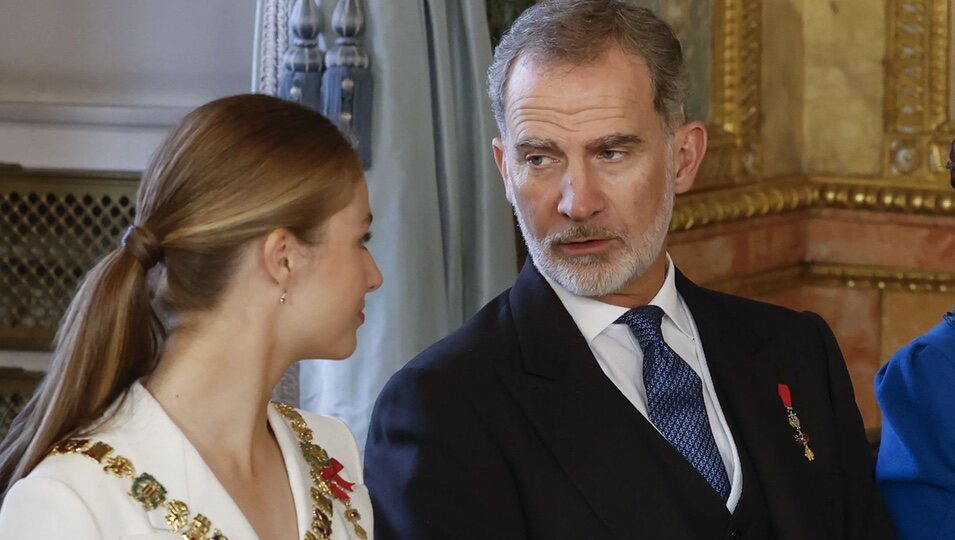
column 342, row 352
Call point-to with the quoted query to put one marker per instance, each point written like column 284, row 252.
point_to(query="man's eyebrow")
column 615, row 140
column 369, row 219
column 536, row 143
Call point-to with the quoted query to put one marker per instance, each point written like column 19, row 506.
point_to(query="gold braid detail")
column 151, row 494
column 323, row 488
column 145, row 489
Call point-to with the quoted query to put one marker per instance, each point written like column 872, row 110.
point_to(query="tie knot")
column 644, row 322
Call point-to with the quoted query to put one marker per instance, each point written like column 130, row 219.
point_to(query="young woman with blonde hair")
column 154, row 421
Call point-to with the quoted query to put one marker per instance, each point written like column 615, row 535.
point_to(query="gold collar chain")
column 150, row 494
column 326, row 484
column 146, row 490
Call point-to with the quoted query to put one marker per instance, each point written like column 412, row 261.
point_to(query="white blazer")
column 71, row 497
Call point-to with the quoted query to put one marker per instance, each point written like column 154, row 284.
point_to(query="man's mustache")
column 580, row 233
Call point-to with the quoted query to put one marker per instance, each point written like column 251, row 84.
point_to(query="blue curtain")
column 443, row 233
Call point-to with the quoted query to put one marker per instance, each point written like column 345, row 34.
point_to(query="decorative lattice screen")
column 53, row 227
column 16, row 387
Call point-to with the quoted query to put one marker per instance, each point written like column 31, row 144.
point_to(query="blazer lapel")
column 746, row 371
column 604, row 445
column 298, row 469
column 176, row 463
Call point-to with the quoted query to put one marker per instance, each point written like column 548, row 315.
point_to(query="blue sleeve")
column 916, row 466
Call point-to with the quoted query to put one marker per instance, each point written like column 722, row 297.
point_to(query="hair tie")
column 143, row 245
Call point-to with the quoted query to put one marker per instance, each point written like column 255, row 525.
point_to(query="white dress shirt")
column 619, row 355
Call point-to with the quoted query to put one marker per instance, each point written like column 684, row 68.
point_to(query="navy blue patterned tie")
column 675, row 398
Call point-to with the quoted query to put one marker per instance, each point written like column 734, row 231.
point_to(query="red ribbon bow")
column 339, row 486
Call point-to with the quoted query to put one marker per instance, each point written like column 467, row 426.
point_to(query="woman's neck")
column 215, row 383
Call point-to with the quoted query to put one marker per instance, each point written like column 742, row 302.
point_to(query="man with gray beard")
column 605, row 395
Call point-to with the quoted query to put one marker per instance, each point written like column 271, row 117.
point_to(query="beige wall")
column 876, row 261
column 783, row 89
column 823, row 87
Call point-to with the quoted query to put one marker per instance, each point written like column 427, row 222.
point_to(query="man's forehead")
column 527, row 122
column 606, row 86
column 552, row 112
column 537, row 65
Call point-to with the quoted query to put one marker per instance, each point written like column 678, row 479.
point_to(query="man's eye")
column 537, row 160
column 611, row 155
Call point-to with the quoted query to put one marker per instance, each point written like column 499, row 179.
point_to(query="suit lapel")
column 608, row 449
column 746, row 370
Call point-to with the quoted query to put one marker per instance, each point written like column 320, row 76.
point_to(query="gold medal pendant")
column 801, row 438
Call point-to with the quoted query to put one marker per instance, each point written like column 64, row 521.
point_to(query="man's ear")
column 276, row 254
column 500, row 157
column 689, row 147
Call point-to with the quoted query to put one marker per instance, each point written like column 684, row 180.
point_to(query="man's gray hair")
column 577, row 32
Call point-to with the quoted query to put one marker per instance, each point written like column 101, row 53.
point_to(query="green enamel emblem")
column 148, row 491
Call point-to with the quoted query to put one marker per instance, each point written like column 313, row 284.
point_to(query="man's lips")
column 584, row 246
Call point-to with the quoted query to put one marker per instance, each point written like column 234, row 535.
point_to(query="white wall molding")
column 146, row 116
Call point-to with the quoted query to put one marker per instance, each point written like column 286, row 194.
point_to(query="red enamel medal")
column 801, row 438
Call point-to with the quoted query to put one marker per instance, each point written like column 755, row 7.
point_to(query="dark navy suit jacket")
column 916, row 467
column 509, row 430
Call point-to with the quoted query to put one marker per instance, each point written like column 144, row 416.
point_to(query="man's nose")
column 580, row 197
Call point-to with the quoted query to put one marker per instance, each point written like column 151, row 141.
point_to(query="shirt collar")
column 592, row 316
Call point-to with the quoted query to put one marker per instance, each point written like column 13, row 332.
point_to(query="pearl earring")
column 282, row 299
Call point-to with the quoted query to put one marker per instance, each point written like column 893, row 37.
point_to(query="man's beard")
column 604, row 273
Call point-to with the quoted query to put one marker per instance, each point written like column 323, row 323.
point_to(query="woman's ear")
column 277, row 254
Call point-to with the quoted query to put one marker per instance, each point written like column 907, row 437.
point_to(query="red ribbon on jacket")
column 338, row 485
column 785, row 395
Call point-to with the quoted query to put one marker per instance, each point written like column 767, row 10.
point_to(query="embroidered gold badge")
column 119, row 466
column 177, row 514
column 198, row 529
